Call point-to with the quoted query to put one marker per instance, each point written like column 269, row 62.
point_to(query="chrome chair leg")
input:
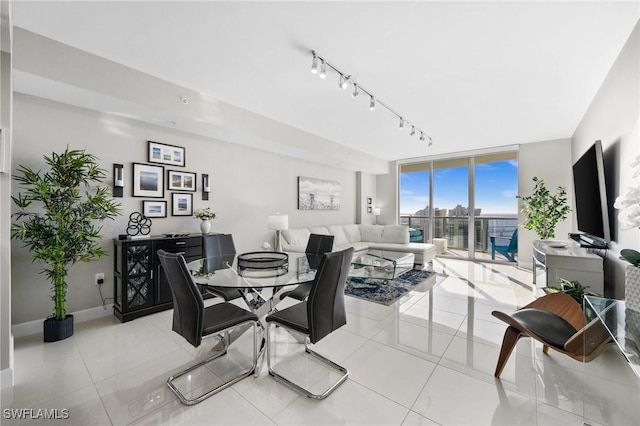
column 304, row 391
column 183, row 398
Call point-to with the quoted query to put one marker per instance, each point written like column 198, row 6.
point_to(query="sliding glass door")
column 496, row 205
column 451, row 203
column 468, row 203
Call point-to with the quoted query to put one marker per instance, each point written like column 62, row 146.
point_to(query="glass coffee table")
column 381, row 264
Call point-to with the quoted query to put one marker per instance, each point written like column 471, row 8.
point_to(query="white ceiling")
column 470, row 74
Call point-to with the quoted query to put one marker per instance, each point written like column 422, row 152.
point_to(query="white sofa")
column 362, row 238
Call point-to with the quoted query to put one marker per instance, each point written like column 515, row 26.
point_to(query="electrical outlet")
column 99, row 278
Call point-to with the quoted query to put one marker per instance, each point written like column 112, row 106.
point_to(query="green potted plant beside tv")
column 543, row 210
column 56, row 220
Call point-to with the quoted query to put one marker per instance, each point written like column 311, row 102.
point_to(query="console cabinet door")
column 134, row 281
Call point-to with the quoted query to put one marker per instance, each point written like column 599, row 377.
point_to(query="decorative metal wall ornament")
column 139, row 224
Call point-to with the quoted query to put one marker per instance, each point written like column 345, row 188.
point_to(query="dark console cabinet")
column 141, row 287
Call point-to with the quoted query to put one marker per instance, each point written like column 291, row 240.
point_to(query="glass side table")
column 623, row 324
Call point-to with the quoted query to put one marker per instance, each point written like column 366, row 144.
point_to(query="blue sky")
column 496, row 188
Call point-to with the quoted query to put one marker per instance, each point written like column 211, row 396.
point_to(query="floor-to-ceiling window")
column 495, row 204
column 414, row 207
column 468, row 203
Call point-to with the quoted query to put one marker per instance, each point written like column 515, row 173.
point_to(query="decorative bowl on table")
column 263, row 264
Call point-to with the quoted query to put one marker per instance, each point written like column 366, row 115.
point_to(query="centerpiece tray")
column 260, row 264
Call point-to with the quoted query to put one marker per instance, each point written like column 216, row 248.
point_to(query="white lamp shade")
column 278, row 222
column 376, row 211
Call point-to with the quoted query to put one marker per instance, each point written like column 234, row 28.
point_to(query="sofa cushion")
column 371, row 233
column 322, row 230
column 353, row 233
column 398, row 234
column 357, row 247
column 424, row 252
column 296, row 237
column 340, row 237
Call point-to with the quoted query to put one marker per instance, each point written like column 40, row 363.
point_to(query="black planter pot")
column 55, row 330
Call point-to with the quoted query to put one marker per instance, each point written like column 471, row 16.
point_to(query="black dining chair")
column 193, row 321
column 219, row 248
column 318, row 316
column 316, row 246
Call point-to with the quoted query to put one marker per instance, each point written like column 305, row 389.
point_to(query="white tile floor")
column 425, row 360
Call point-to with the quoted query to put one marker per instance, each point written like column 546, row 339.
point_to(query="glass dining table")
column 260, row 288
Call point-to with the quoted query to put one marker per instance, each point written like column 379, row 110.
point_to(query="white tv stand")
column 570, row 262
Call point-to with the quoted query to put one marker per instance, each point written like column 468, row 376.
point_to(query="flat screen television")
column 592, row 210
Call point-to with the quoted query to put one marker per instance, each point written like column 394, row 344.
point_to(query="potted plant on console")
column 206, row 216
column 56, row 222
column 544, row 210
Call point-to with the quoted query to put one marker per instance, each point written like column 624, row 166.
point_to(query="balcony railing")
column 455, row 229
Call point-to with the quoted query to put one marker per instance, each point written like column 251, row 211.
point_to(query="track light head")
column 343, row 82
column 372, row 103
column 401, row 125
column 421, row 136
column 430, row 141
column 413, row 130
column 314, row 64
column 355, row 90
column 323, row 69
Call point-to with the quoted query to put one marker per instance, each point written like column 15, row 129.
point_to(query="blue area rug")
column 385, row 293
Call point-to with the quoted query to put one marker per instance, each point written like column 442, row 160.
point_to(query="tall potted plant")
column 56, row 222
column 543, row 209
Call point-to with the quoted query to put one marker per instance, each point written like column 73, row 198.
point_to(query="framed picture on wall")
column 154, row 208
column 181, row 204
column 318, row 194
column 166, row 154
column 148, row 181
column 181, row 181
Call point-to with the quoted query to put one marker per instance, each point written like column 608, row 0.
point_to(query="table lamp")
column 376, row 213
column 278, row 222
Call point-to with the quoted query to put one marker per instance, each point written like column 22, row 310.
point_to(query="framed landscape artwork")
column 166, row 154
column 153, row 208
column 148, row 181
column 181, row 181
column 318, row 194
column 181, row 204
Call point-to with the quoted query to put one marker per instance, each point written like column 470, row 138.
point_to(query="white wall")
column 366, row 189
column 247, row 186
column 613, row 117
column 387, row 197
column 551, row 162
column 6, row 99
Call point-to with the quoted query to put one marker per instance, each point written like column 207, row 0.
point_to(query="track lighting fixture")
column 344, row 80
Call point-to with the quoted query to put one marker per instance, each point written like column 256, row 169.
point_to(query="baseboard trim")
column 34, row 327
